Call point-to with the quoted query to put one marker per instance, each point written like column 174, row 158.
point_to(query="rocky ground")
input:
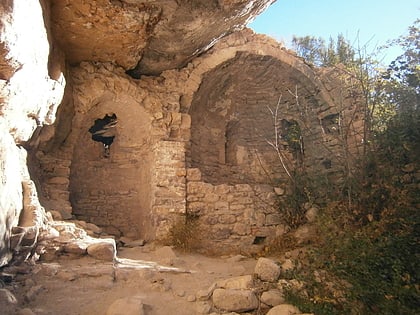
column 147, row 280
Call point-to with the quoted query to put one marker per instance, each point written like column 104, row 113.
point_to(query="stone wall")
column 215, row 118
column 239, row 218
column 193, row 133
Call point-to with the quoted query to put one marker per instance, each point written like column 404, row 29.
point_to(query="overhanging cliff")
column 189, row 95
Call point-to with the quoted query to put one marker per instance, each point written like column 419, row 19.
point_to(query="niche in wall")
column 232, row 120
column 114, row 192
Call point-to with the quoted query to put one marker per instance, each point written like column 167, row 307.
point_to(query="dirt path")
column 85, row 286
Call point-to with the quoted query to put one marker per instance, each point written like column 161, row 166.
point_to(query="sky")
column 369, row 23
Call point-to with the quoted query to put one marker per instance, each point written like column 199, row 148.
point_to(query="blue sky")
column 371, row 22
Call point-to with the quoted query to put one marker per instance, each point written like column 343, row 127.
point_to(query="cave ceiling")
column 146, row 37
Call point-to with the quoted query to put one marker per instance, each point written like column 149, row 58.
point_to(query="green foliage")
column 405, row 70
column 318, row 52
column 369, row 249
column 292, row 206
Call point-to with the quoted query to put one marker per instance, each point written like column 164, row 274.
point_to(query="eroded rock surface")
column 148, row 36
column 192, row 135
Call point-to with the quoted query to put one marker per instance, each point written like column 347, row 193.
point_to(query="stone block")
column 241, row 228
column 243, row 187
column 221, row 206
column 185, row 121
column 273, row 219
column 272, row 297
column 103, row 250
column 221, row 233
column 197, row 207
column 284, row 309
column 211, row 220
column 235, row 300
column 132, row 305
column 227, row 219
column 236, row 207
column 222, row 189
column 267, row 270
column 199, row 188
column 211, row 198
column 238, row 283
column 58, row 181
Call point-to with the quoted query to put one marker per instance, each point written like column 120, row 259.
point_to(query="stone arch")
column 114, row 191
column 232, row 112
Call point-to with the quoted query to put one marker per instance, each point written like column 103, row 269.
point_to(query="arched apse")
column 111, row 186
column 236, row 114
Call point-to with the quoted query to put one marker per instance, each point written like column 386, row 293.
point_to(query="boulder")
column 241, row 282
column 25, row 311
column 203, row 308
column 284, row 309
column 267, row 270
column 235, row 300
column 103, row 250
column 132, row 305
column 272, row 297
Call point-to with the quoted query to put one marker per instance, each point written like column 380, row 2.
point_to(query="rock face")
column 191, row 129
column 149, row 37
column 31, row 87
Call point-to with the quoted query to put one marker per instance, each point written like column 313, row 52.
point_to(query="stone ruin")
column 148, row 115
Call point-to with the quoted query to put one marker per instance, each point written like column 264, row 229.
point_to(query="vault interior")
column 110, row 185
column 233, row 119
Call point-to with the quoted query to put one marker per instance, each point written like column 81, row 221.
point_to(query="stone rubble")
column 263, row 290
column 248, row 293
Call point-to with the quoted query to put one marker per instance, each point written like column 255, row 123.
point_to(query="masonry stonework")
column 196, row 142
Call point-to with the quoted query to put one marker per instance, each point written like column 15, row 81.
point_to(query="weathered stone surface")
column 241, row 282
column 284, row 309
column 157, row 36
column 29, row 96
column 104, row 250
column 25, row 311
column 203, row 307
column 272, row 297
column 235, row 300
column 182, row 143
column 267, row 270
column 132, row 305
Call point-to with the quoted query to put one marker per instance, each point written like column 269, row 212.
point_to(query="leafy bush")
column 369, row 251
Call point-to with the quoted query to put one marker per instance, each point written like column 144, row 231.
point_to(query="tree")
column 316, row 51
column 402, row 78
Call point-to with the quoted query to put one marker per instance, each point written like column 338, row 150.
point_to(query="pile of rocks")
column 259, row 293
column 75, row 239
column 262, row 291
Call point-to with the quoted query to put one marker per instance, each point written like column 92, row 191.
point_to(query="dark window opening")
column 327, row 163
column 258, row 240
column 103, row 130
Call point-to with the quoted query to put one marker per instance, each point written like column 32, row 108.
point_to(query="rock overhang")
column 146, row 37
